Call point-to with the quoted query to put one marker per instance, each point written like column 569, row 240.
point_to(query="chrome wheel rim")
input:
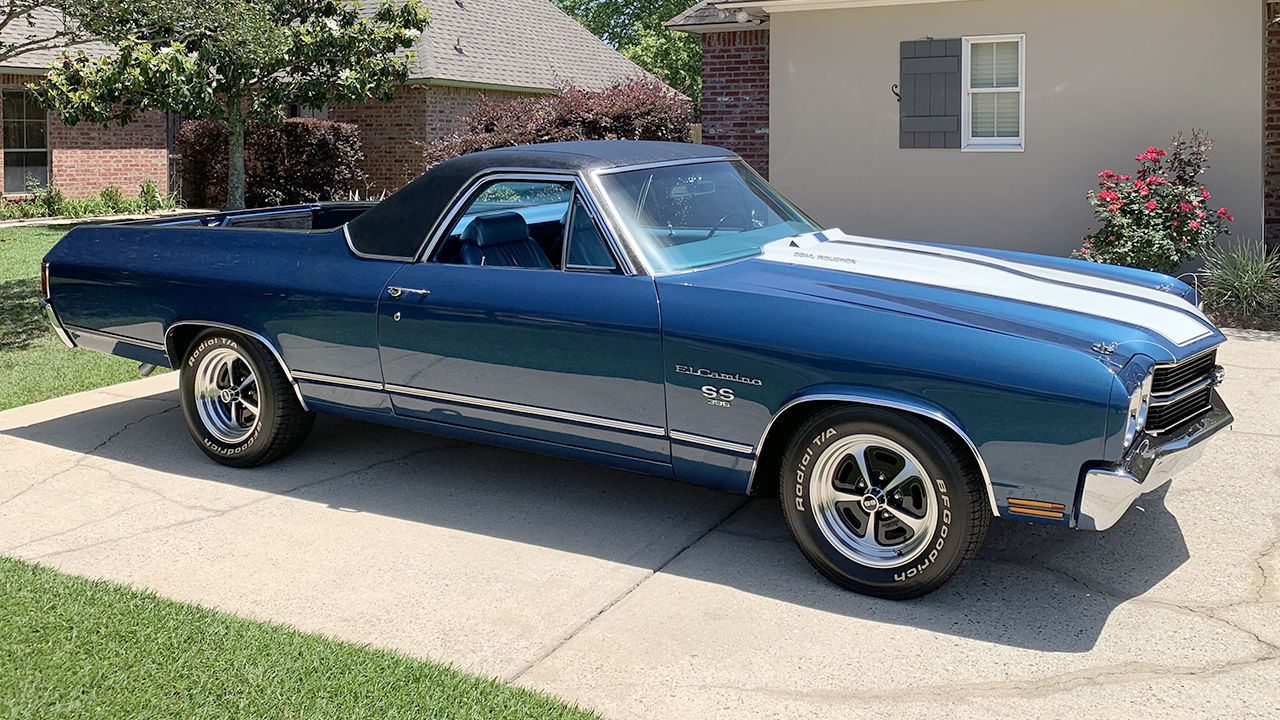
column 226, row 393
column 873, row 501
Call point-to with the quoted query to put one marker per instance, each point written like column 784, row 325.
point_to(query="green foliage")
column 1241, row 279
column 232, row 61
column 77, row 648
column 637, row 30
column 50, row 202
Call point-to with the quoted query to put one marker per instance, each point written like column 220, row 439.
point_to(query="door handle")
column 396, row 292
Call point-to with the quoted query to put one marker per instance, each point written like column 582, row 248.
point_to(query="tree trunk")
column 235, row 162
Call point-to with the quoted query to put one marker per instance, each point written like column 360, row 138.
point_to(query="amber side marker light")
column 1036, row 508
column 44, row 279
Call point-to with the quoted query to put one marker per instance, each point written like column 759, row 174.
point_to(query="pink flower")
column 1114, row 208
column 1195, row 225
column 1144, row 192
column 1176, row 223
column 1151, row 205
column 1202, row 214
column 1231, row 218
column 1184, row 206
column 1108, row 196
column 1138, row 183
column 1223, row 212
column 1158, row 180
column 1205, row 195
column 1126, row 177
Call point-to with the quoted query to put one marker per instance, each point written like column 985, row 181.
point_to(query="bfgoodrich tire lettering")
column 880, row 502
column 239, row 405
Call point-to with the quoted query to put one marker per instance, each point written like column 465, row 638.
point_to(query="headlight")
column 1139, row 405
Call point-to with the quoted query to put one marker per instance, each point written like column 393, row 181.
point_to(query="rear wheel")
column 239, row 405
column 881, row 503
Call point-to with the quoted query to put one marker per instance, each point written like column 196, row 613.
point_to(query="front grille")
column 1181, row 392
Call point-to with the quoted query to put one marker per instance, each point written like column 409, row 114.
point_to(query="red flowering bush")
column 640, row 109
column 1161, row 216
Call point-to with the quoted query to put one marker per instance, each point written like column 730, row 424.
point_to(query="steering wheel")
column 720, row 224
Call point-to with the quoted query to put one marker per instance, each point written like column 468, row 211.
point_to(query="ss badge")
column 720, row 397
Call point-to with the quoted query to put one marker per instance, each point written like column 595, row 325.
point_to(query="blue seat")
column 501, row 240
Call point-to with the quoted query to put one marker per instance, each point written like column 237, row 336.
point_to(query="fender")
column 878, row 397
column 168, row 345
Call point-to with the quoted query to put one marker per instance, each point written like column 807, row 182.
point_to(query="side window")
column 510, row 223
column 587, row 248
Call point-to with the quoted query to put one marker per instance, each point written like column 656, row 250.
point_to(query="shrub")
column 639, row 109
column 1241, row 279
column 298, row 161
column 1160, row 217
column 50, row 202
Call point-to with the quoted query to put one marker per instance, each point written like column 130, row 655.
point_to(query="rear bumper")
column 1108, row 492
column 52, row 316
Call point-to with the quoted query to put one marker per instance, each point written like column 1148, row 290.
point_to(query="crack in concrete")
column 87, row 455
column 549, row 649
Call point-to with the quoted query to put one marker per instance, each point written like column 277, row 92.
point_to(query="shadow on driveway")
column 1031, row 586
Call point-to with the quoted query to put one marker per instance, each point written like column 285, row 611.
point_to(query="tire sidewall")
column 944, row 551
column 246, row 451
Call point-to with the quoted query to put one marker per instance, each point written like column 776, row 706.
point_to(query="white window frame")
column 968, row 143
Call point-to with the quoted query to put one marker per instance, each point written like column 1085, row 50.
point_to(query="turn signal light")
column 1037, row 508
column 44, row 279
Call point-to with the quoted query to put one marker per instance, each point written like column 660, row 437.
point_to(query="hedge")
column 298, row 161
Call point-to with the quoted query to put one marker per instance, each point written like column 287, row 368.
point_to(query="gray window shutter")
column 930, row 89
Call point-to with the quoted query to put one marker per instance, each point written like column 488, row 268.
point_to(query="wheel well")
column 179, row 341
column 769, row 463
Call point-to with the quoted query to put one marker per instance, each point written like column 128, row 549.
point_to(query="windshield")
column 688, row 216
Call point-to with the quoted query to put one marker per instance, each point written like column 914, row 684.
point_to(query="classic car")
column 657, row 307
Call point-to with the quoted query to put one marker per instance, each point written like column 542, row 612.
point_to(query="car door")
column 520, row 320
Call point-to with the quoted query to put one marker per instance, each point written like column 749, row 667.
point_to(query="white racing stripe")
column 1168, row 315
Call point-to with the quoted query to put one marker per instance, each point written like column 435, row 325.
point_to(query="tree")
column 32, row 25
column 636, row 28
column 232, row 61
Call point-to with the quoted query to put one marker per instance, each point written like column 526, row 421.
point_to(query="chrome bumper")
column 1108, row 492
column 52, row 316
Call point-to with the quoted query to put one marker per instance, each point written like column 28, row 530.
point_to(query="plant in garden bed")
column 49, row 202
column 1161, row 216
column 1241, row 286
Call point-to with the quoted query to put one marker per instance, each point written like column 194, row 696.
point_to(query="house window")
column 993, row 70
column 26, row 142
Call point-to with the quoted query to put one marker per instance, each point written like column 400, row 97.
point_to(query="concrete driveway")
column 646, row 598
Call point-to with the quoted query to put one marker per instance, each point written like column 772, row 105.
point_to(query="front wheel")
column 239, row 405
column 882, row 503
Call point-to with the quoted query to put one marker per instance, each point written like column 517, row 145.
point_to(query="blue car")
column 657, row 307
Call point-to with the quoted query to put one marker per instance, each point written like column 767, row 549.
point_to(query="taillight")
column 44, row 279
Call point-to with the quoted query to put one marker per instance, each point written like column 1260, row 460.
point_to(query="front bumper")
column 52, row 316
column 1152, row 462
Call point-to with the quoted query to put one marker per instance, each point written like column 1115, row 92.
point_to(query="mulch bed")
column 1245, row 322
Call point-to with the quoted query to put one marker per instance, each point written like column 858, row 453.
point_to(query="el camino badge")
column 705, row 373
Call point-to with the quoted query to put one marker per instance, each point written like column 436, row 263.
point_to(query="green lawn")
column 34, row 364
column 75, row 648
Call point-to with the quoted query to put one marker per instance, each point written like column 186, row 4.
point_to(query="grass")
column 75, row 648
column 34, row 364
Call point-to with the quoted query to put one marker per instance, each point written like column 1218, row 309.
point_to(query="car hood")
column 1118, row 311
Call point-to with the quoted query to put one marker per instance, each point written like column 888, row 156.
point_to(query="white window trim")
column 968, row 143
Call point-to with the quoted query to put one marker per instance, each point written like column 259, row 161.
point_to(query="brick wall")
column 87, row 158
column 393, row 133
column 1271, row 129
column 735, row 94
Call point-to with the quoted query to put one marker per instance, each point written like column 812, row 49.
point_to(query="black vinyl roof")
column 397, row 226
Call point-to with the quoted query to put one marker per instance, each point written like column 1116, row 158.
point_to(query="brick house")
column 809, row 91
column 495, row 48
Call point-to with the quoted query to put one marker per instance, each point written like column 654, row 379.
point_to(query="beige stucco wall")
column 1105, row 79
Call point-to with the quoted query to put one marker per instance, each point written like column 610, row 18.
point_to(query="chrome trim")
column 117, row 338
column 712, row 442
column 1109, row 491
column 1193, row 381
column 333, row 380
column 1183, row 392
column 396, row 292
column 292, row 210
column 223, row 326
column 51, row 316
column 528, row 410
column 351, row 246
column 617, row 232
column 920, row 410
column 664, row 163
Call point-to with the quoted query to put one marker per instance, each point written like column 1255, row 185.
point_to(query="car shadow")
column 1031, row 586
